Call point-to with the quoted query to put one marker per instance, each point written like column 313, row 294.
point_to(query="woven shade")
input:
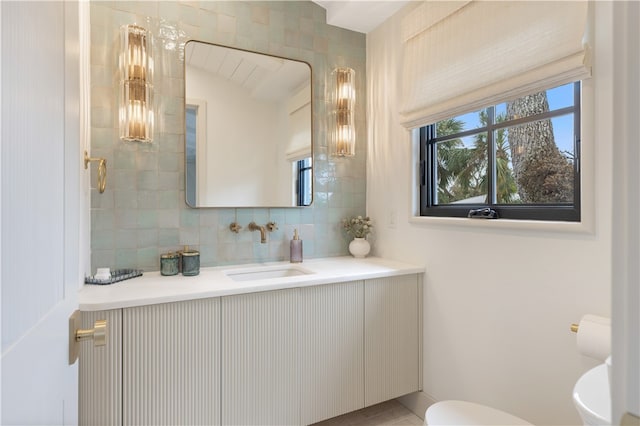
column 465, row 55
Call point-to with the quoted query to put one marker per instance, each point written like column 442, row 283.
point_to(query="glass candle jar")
column 190, row 262
column 169, row 264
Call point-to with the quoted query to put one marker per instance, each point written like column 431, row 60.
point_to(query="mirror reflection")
column 248, row 129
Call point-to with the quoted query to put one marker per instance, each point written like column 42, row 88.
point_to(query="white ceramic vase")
column 359, row 247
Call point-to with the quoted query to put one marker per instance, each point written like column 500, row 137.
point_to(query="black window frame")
column 303, row 171
column 543, row 212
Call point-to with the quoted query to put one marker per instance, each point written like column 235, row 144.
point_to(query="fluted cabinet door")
column 260, row 368
column 392, row 313
column 100, row 373
column 332, row 350
column 171, row 363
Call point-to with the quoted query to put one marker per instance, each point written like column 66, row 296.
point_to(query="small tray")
column 116, row 275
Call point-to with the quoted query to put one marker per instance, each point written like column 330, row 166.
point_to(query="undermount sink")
column 265, row 272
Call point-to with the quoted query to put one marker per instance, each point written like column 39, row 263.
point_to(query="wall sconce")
column 136, row 84
column 343, row 129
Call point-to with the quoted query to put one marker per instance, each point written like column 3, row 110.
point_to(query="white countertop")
column 153, row 288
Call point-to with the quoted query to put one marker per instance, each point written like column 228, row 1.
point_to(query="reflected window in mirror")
column 303, row 182
column 195, row 143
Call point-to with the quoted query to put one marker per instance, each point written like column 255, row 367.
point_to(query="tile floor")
column 386, row 413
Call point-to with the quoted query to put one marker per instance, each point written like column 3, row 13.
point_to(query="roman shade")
column 460, row 56
column 299, row 125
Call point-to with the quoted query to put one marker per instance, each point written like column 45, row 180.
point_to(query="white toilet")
column 458, row 413
column 591, row 396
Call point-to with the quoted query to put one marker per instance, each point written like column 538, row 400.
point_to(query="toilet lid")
column 456, row 413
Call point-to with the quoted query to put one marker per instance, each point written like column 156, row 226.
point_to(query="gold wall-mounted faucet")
column 263, row 230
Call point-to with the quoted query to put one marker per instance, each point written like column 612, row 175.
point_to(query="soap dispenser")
column 296, row 248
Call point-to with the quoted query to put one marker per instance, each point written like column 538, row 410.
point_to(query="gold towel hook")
column 102, row 170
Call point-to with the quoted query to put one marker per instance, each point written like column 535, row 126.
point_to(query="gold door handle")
column 98, row 334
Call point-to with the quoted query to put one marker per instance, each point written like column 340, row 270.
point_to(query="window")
column 520, row 158
column 191, row 119
column 303, row 182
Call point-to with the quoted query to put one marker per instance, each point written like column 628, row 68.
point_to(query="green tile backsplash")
column 142, row 213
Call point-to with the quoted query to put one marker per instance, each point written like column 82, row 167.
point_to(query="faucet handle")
column 272, row 226
column 234, row 227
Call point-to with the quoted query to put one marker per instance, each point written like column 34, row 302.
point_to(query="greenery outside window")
column 520, row 158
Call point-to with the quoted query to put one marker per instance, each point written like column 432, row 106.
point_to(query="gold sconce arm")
column 102, row 170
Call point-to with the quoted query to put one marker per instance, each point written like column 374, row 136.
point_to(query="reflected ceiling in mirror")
column 248, row 129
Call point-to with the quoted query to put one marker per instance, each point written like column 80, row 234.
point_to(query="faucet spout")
column 263, row 231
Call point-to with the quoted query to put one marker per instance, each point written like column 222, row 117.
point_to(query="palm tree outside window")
column 520, row 158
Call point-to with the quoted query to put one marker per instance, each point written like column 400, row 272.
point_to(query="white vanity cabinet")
column 161, row 365
column 289, row 356
column 260, row 366
column 100, row 372
column 392, row 336
column 332, row 350
column 171, row 363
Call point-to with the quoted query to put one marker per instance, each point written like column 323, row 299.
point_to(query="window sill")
column 583, row 228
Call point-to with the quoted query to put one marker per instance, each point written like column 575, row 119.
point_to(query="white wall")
column 499, row 297
column 239, row 150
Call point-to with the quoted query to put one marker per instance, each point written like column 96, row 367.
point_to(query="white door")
column 625, row 352
column 41, row 205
